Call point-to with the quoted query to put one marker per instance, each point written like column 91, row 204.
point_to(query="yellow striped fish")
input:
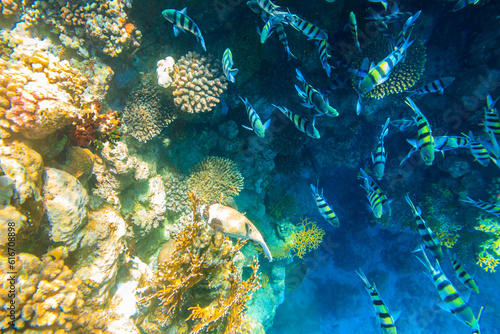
column 257, row 126
column 380, row 73
column 452, row 301
column 437, row 86
column 425, row 141
column 429, row 238
column 300, row 123
column 386, row 203
column 313, row 98
column 182, row 22
column 491, row 116
column 308, row 29
column 270, row 7
column 353, row 25
column 462, row 274
column 373, row 198
column 384, row 317
column 323, row 56
column 380, row 156
column 227, row 65
column 494, row 209
column 478, row 150
column 324, row 208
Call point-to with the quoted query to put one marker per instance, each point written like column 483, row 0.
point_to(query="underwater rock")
column 100, row 251
column 455, row 166
column 65, row 201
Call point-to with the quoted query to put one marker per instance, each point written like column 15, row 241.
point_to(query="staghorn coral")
column 404, row 75
column 215, row 178
column 84, row 26
column 198, row 287
column 198, row 83
column 49, row 298
column 144, row 114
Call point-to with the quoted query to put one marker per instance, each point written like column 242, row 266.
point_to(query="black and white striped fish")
column 227, row 65
column 270, row 7
column 429, row 238
column 257, row 126
column 182, row 22
column 384, row 317
column 386, row 203
column 373, row 198
column 452, row 301
column 307, row 28
column 300, row 123
column 360, row 75
column 462, row 274
column 353, row 26
column 323, row 56
column 494, row 209
column 313, row 98
column 380, row 156
column 425, row 141
column 447, row 143
column 324, row 208
column 478, row 150
column 437, row 86
column 491, row 116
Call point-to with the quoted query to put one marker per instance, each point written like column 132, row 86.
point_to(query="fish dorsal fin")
column 183, row 10
column 266, row 125
column 176, row 31
column 466, row 295
column 372, row 65
column 396, row 315
column 248, row 128
column 444, row 306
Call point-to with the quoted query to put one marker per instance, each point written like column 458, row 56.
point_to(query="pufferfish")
column 232, row 223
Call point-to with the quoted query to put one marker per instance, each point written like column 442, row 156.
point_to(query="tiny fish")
column 380, row 156
column 324, row 208
column 313, row 98
column 437, row 86
column 323, row 56
column 353, row 25
column 425, row 141
column 182, row 22
column 494, row 209
column 308, row 29
column 257, row 126
column 384, row 317
column 300, row 123
column 452, row 301
column 227, row 65
column 57, row 253
column 428, row 236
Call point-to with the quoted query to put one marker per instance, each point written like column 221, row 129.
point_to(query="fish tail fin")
column 300, row 76
column 362, row 275
column 425, row 261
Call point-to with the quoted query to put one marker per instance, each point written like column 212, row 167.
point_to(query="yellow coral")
column 214, row 177
column 307, row 238
column 487, row 258
column 487, row 262
column 446, row 238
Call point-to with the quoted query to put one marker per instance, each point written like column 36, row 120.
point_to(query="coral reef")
column 87, row 26
column 215, row 178
column 404, row 75
column 177, row 188
column 50, row 298
column 78, row 162
column 489, row 256
column 304, row 239
column 199, row 288
column 163, row 69
column 198, row 83
column 9, row 7
column 144, row 114
column 149, row 211
column 285, row 207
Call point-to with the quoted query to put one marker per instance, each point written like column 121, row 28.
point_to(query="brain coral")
column 198, row 83
column 214, row 177
column 404, row 75
column 144, row 115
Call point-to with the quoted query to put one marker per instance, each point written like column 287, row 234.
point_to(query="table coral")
column 198, row 83
column 87, row 26
column 201, row 280
column 215, row 178
column 50, row 298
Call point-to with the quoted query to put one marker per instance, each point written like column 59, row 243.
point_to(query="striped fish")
column 353, row 26
column 257, row 126
column 313, row 98
column 380, row 73
column 494, row 209
column 324, row 208
column 462, row 274
column 308, row 29
column 373, row 198
column 447, row 143
column 227, row 65
column 429, row 238
column 280, row 31
column 270, row 7
column 380, row 156
column 491, row 116
column 452, row 301
column 300, row 123
column 386, row 203
column 462, row 3
column 360, row 75
column 323, row 56
column 182, row 22
column 437, row 86
column 425, row 141
column 478, row 150
column 384, row 317
column 269, row 28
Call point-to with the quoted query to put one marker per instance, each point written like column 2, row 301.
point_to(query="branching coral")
column 404, row 75
column 144, row 114
column 9, row 7
column 49, row 297
column 83, row 25
column 215, row 177
column 198, row 83
column 198, row 287
column 305, row 239
column 488, row 258
column 285, row 207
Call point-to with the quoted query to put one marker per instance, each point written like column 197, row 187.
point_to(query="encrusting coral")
column 49, row 298
column 198, row 83
column 215, row 177
column 198, row 287
column 86, row 26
